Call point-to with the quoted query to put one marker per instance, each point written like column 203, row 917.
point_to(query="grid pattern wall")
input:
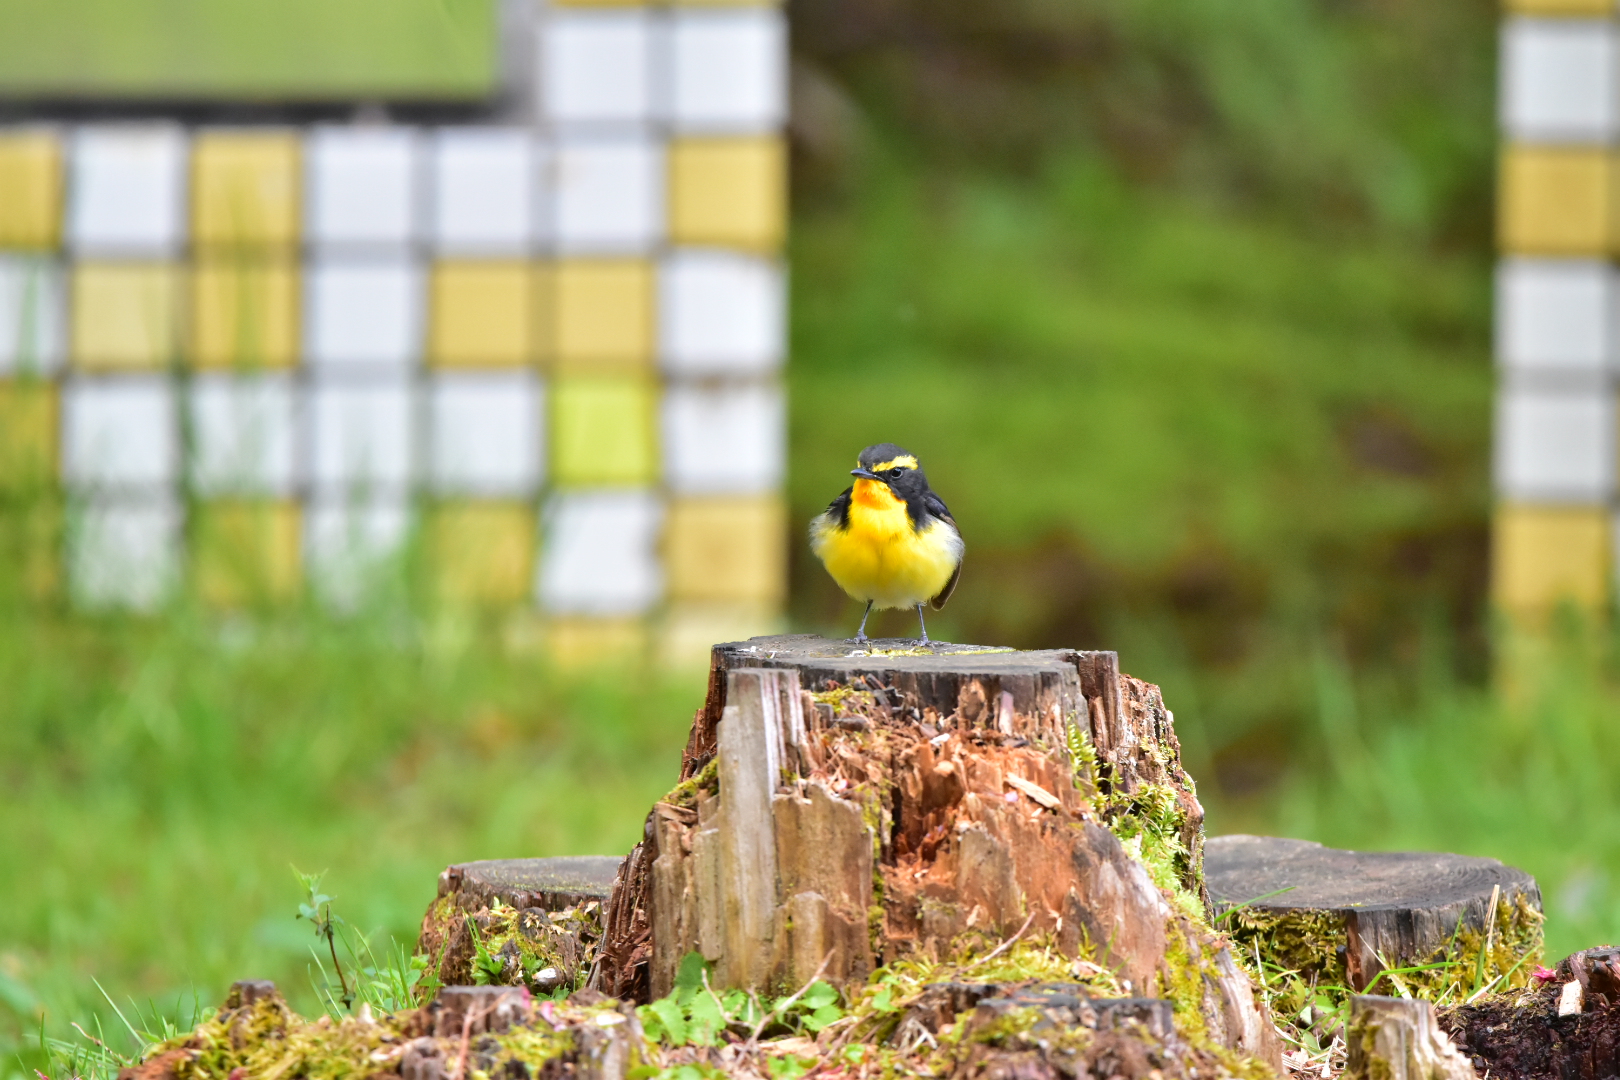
column 549, row 352
column 1557, row 305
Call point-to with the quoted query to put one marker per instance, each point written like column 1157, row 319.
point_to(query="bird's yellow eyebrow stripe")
column 908, row 461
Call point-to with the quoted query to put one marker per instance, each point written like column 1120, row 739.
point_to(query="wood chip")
column 1570, row 999
column 1034, row 791
column 679, row 814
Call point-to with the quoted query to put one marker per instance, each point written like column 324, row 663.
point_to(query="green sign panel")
column 289, row 50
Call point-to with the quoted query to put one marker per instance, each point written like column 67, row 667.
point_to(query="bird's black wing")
column 838, row 509
column 936, row 508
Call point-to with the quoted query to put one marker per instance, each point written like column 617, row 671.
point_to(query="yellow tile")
column 731, row 192
column 482, row 552
column 1543, row 555
column 247, row 551
column 31, row 544
column 482, row 314
column 582, row 643
column 603, row 430
column 1557, row 201
column 727, row 549
column 604, row 314
column 30, row 190
column 1560, row 7
column 244, row 313
column 29, row 418
column 691, row 630
column 245, row 189
column 125, row 315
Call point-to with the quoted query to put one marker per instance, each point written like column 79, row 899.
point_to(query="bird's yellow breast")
column 879, row 556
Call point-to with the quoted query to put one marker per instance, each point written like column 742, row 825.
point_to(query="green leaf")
column 707, row 1019
column 822, row 1017
column 669, row 1016
column 689, row 976
column 883, row 1000
column 820, row 994
column 788, row 1067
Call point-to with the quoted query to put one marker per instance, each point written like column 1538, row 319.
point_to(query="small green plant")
column 693, row 1014
column 396, row 980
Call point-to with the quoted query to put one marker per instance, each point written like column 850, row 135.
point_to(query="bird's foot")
column 860, row 638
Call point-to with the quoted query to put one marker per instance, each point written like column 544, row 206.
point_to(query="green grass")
column 274, row 49
column 162, row 779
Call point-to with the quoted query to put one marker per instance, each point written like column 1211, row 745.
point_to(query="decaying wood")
column 868, row 805
column 1534, row 1035
column 1398, row 1039
column 1405, row 907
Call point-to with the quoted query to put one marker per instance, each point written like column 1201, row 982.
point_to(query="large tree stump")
column 1343, row 915
column 842, row 808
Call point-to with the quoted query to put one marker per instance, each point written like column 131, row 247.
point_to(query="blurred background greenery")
column 1185, row 307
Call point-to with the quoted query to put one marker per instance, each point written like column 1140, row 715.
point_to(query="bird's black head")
column 893, row 466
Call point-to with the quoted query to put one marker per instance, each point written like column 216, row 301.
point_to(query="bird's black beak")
column 865, row 474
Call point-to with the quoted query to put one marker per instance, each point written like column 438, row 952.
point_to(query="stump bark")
column 1342, row 914
column 842, row 808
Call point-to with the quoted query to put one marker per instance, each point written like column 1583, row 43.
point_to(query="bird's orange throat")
column 876, row 495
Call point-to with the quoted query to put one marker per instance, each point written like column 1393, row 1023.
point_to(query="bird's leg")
column 860, row 635
column 922, row 626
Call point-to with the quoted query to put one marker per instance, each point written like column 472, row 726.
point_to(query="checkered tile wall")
column 1558, row 306
column 266, row 357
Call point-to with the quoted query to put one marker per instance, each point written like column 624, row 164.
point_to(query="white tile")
column 720, row 313
column 609, row 194
column 32, row 315
column 124, row 554
column 120, row 433
column 485, row 190
column 361, row 436
column 599, row 555
column 351, row 545
column 1559, row 79
column 1557, row 313
column 361, row 186
column 596, row 66
column 244, row 434
column 485, row 433
column 723, row 439
column 729, row 70
column 126, row 190
column 363, row 313
column 1555, row 445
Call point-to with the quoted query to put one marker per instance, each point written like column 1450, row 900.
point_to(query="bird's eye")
column 897, row 473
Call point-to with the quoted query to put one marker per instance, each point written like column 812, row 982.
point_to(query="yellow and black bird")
column 888, row 539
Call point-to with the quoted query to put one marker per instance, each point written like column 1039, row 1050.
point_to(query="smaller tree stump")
column 544, row 935
column 1398, row 1039
column 1340, row 915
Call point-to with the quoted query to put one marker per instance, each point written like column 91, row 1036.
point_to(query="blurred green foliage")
column 1184, row 306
